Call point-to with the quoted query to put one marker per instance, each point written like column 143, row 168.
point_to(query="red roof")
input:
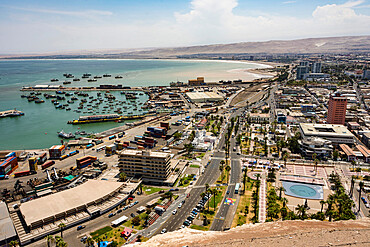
column 126, row 232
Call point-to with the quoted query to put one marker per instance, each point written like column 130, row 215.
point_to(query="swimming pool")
column 301, row 190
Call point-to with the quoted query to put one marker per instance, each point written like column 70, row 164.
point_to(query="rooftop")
column 7, row 229
column 325, row 130
column 60, row 202
column 145, row 153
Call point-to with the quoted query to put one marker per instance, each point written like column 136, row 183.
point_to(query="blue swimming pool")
column 301, row 190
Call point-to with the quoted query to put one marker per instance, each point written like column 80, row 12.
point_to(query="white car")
column 164, row 231
column 174, row 211
column 180, row 205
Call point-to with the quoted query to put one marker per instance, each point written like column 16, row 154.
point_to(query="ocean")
column 39, row 126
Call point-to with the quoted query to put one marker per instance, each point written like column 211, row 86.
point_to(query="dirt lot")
column 248, row 92
column 283, row 233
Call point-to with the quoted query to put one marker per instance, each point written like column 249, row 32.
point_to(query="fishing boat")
column 76, row 79
column 118, row 77
column 97, row 77
column 67, row 82
column 53, row 80
column 39, row 101
column 66, row 135
column 107, row 75
column 92, row 80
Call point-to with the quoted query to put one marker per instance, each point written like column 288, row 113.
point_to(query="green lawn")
column 139, row 227
column 186, row 180
column 219, row 197
column 194, row 166
column 152, row 190
column 110, row 234
column 100, row 231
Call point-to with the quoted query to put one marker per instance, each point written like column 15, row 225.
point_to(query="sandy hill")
column 310, row 46
column 277, row 234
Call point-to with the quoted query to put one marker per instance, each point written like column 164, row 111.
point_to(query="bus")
column 237, row 186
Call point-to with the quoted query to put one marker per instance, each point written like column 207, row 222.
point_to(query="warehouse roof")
column 7, row 229
column 203, row 95
column 60, row 202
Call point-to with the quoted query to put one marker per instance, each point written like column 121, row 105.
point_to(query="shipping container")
column 42, row 159
column 23, row 173
column 127, row 143
column 74, row 153
column 63, row 157
column 48, row 164
column 56, row 151
column 112, row 137
column 140, row 147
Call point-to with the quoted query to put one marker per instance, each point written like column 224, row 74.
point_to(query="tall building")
column 304, row 63
column 337, row 109
column 149, row 166
column 316, row 67
column 302, row 71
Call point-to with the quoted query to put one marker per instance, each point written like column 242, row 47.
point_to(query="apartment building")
column 337, row 109
column 151, row 167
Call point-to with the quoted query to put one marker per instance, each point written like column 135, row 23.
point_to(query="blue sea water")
column 39, row 126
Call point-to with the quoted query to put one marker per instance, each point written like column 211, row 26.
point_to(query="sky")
column 39, row 26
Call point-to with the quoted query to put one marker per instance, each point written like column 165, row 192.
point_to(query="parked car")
column 111, row 215
column 132, row 215
column 174, row 211
column 80, row 227
column 83, row 239
column 119, row 211
column 164, row 231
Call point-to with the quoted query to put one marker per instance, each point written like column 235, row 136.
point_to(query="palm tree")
column 285, row 158
column 361, row 184
column 285, row 202
column 352, row 185
column 13, row 243
column 322, row 203
column 49, row 239
column 122, row 177
column 227, row 168
column 302, row 210
column 99, row 239
column 244, row 178
column 90, row 242
column 258, row 176
column 281, row 189
column 141, row 188
column 61, row 226
column 221, row 168
column 207, row 187
column 62, row 244
column 214, row 192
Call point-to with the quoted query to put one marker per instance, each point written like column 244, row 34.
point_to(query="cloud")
column 206, row 22
column 85, row 13
column 289, row 2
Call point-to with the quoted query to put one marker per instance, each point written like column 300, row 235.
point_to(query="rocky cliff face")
column 276, row 234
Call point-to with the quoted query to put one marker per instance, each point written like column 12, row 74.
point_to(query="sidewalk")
column 262, row 197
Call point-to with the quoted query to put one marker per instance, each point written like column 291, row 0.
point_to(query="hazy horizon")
column 53, row 26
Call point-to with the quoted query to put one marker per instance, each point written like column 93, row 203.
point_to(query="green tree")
column 169, row 194
column 90, row 242
column 49, row 239
column 281, row 189
column 113, row 244
column 322, row 203
column 122, row 176
column 13, row 243
column 227, row 168
column 301, row 210
column 361, row 184
column 136, row 221
column 214, row 192
column 177, row 135
column 244, row 178
column 335, row 155
column 61, row 226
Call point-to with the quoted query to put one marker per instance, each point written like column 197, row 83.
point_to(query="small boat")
column 76, row 79
column 97, row 77
column 68, row 109
column 92, row 80
column 23, row 96
column 118, row 77
column 67, row 82
column 53, row 80
column 66, row 135
column 107, row 75
column 39, row 101
column 87, row 74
